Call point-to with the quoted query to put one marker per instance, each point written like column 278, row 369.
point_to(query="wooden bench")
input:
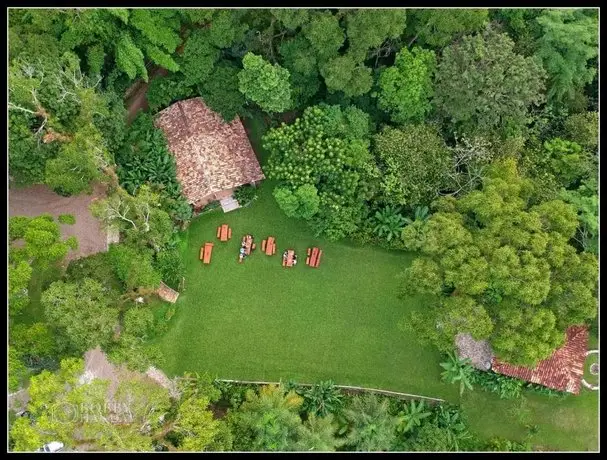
column 288, row 261
column 313, row 259
column 269, row 246
column 208, row 250
column 224, row 233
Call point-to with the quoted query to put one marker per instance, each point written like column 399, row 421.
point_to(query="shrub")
column 506, row 387
column 245, row 194
column 98, row 267
column 542, row 390
column 170, row 266
column 323, row 398
column 68, row 219
column 388, row 222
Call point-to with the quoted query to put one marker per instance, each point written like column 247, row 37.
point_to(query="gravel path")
column 37, row 199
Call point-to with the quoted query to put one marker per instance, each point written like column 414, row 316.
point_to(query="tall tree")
column 81, row 312
column 139, row 217
column 497, row 267
column 62, row 108
column 440, row 27
column 66, row 408
column 200, row 431
column 406, row 87
column 133, row 267
column 129, row 36
column 569, row 41
column 327, row 150
column 371, row 427
column 483, row 85
column 268, row 421
column 265, row 84
column 368, row 29
column 41, row 238
column 415, row 163
column 318, row 434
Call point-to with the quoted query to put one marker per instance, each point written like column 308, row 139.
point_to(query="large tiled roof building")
column 213, row 157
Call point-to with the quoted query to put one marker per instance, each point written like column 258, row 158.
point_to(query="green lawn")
column 564, row 424
column 257, row 320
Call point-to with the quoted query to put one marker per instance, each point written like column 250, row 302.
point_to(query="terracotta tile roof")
column 562, row 371
column 211, row 155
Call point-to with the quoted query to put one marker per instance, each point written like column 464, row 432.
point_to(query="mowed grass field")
column 260, row 321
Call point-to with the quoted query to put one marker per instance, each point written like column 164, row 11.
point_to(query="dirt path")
column 37, row 199
column 137, row 100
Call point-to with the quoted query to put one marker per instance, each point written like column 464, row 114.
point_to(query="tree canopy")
column 499, row 268
column 482, row 84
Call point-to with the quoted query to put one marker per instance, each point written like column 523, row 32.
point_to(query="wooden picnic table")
column 248, row 244
column 205, row 253
column 288, row 261
column 224, row 232
column 313, row 259
column 269, row 246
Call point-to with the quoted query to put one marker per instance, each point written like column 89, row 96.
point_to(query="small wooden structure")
column 287, row 259
column 224, row 232
column 313, row 259
column 246, row 247
column 269, row 246
column 247, row 244
column 205, row 253
column 166, row 293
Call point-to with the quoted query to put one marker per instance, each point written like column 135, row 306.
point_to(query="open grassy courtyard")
column 260, row 321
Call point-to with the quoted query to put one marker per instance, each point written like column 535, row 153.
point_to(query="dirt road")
column 37, row 199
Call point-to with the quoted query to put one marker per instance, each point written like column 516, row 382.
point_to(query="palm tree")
column 412, row 416
column 323, row 398
column 372, row 428
column 268, row 421
column 388, row 222
column 457, row 370
column 318, row 434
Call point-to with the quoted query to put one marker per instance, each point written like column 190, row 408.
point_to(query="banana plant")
column 421, row 214
column 412, row 415
column 388, row 222
column 457, row 370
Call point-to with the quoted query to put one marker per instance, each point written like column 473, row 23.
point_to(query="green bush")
column 98, row 267
column 506, row 387
column 170, row 266
column 542, row 390
column 245, row 194
column 68, row 219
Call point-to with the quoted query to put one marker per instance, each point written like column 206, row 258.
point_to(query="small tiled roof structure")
column 213, row 157
column 562, row 371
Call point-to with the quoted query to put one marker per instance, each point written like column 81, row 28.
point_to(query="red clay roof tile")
column 211, row 155
column 562, row 371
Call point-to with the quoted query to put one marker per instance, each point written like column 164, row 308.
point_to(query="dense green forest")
column 468, row 137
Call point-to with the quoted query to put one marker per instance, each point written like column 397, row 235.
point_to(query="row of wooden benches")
column 269, row 247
